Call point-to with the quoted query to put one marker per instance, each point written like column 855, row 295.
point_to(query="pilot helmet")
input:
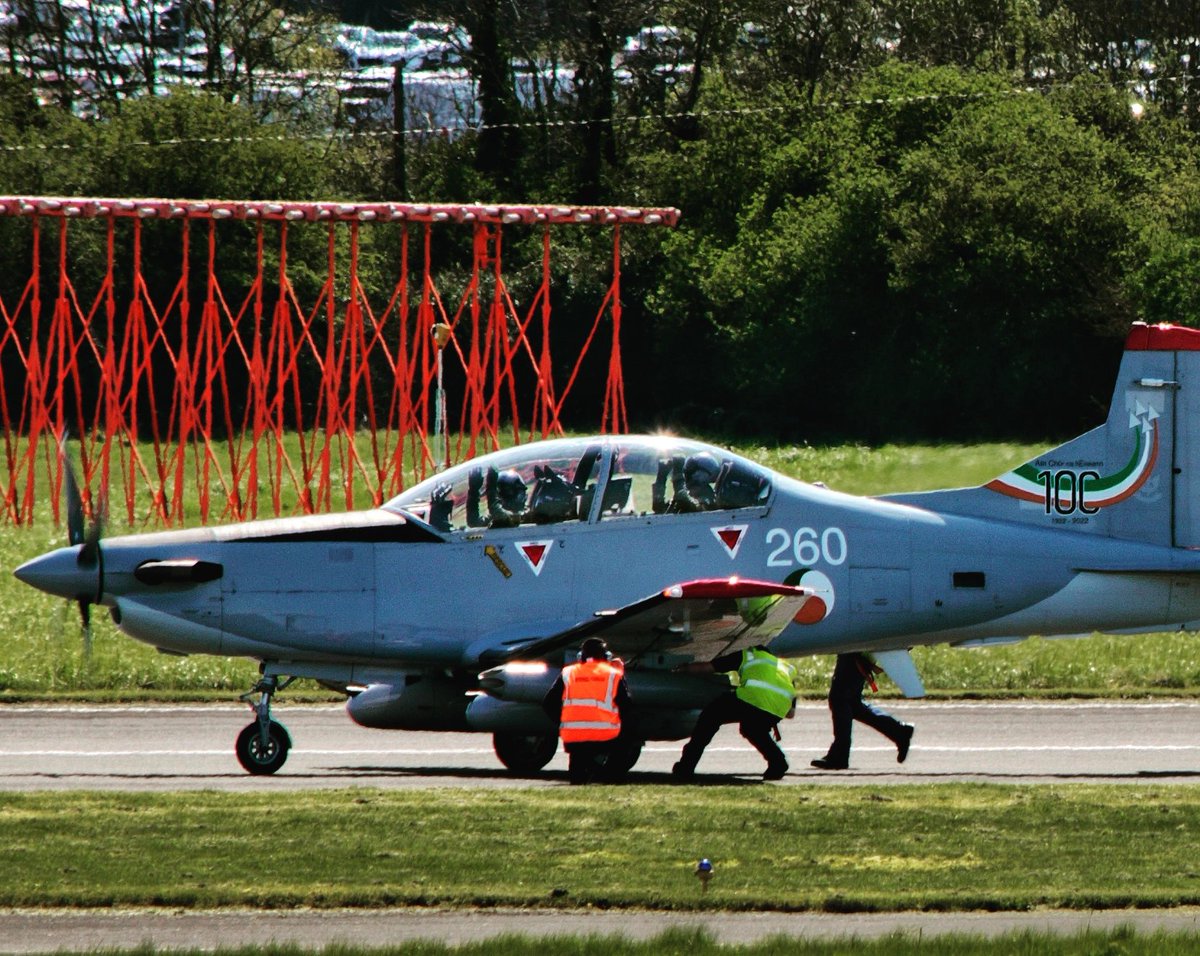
column 553, row 499
column 700, row 468
column 594, row 649
column 510, row 487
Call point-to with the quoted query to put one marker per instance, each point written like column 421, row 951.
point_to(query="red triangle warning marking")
column 534, row 553
column 731, row 537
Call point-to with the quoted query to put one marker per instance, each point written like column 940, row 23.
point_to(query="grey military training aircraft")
column 452, row 606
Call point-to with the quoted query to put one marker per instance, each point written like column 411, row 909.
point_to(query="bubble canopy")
column 586, row 480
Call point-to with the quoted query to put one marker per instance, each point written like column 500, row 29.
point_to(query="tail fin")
column 1136, row 477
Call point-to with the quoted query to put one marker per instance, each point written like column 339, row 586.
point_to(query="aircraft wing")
column 691, row 621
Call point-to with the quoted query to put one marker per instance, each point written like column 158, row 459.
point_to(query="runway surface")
column 191, row 747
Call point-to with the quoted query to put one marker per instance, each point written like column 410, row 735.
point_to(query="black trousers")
column 755, row 725
column 846, row 706
column 605, row 761
column 586, row 761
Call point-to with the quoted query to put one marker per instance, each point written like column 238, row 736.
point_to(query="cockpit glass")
column 539, row 483
column 557, row 481
column 675, row 476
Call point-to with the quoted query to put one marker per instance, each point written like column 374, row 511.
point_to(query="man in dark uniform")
column 505, row 493
column 846, row 705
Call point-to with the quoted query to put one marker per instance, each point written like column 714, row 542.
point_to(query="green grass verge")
column 41, row 656
column 697, row 942
column 820, row 848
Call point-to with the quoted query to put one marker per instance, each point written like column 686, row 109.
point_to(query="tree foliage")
column 901, row 218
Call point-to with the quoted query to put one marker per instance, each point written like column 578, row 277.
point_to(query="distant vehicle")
column 658, row 42
column 654, row 50
column 453, row 606
column 423, row 46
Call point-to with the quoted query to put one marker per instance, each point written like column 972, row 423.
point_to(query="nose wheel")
column 263, row 745
column 259, row 756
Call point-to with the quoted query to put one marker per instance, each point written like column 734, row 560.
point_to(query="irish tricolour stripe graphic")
column 1067, row 489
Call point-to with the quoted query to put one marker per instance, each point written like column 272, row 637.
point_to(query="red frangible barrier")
column 260, row 398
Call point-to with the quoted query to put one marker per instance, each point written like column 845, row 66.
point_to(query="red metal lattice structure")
column 327, row 402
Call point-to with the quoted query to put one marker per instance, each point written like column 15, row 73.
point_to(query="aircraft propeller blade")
column 85, row 627
column 72, row 499
column 89, row 554
column 87, row 535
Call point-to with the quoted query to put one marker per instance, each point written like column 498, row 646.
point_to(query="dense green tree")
column 1005, row 242
column 1163, row 267
column 928, row 218
column 945, row 259
column 818, row 43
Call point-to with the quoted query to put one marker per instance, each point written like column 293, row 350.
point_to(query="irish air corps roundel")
column 817, row 607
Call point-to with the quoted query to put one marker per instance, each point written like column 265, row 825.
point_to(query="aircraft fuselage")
column 372, row 589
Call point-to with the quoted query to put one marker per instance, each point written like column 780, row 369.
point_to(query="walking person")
column 846, row 705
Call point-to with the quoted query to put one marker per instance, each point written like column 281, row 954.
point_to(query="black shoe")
column 906, row 732
column 825, row 763
column 775, row 772
column 680, row 772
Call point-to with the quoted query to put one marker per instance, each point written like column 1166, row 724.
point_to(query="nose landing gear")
column 262, row 746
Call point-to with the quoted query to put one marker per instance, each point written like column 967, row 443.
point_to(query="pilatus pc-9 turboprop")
column 452, row 606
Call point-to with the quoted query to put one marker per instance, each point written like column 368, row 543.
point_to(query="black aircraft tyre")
column 624, row 755
column 525, row 753
column 256, row 758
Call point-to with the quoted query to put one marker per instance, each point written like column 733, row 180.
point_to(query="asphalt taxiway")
column 157, row 747
column 186, row 747
column 30, row 931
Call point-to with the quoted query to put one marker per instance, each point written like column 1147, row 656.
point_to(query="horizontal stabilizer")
column 900, row 667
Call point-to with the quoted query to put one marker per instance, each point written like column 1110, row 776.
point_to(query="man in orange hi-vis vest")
column 587, row 700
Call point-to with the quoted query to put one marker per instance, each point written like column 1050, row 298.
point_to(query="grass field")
column 821, row 848
column 1121, row 942
column 41, row 647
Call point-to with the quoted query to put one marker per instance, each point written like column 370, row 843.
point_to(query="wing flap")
column 692, row 620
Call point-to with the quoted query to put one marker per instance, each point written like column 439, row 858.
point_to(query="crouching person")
column 588, row 701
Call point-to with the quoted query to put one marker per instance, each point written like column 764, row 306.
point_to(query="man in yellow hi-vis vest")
column 587, row 700
column 764, row 695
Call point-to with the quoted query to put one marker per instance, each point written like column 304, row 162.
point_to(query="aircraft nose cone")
column 59, row 573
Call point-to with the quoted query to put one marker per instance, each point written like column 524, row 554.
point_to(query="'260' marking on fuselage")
column 805, row 546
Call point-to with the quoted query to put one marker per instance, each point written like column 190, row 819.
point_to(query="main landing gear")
column 525, row 753
column 262, row 747
column 529, row 753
